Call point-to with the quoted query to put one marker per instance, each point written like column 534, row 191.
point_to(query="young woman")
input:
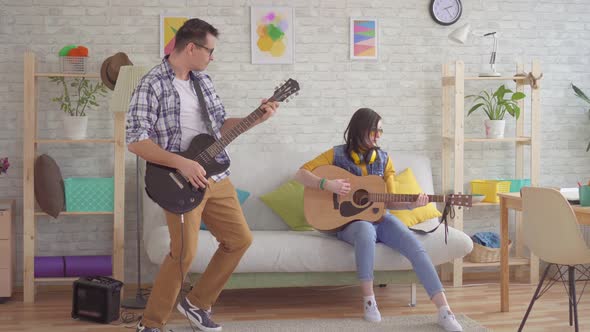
column 361, row 156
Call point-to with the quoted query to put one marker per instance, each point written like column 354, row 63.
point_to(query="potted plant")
column 75, row 103
column 585, row 98
column 496, row 105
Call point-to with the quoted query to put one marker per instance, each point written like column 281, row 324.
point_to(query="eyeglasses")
column 377, row 130
column 205, row 47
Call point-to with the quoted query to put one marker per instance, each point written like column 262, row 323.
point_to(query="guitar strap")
column 448, row 210
column 205, row 113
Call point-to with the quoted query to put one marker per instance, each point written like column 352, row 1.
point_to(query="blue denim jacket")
column 343, row 160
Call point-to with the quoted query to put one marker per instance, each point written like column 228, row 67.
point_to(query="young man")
column 164, row 115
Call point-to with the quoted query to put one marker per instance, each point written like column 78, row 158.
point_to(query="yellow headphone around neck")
column 369, row 157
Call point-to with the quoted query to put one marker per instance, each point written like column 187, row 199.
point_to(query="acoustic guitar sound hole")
column 361, row 197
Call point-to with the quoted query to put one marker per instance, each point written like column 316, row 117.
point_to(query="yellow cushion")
column 405, row 183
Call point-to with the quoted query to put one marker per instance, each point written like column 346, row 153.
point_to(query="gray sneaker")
column 201, row 318
column 141, row 328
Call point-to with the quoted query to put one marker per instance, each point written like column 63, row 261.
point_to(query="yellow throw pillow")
column 405, row 183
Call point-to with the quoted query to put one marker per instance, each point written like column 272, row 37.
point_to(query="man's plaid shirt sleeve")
column 142, row 114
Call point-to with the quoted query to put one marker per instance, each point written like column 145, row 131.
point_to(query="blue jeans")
column 364, row 235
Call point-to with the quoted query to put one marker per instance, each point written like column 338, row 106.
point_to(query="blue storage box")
column 517, row 184
column 90, row 194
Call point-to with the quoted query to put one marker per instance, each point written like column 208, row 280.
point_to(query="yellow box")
column 490, row 188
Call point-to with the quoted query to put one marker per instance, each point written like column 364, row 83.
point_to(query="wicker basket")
column 73, row 64
column 483, row 254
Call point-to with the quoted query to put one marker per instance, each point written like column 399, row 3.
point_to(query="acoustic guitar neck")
column 392, row 198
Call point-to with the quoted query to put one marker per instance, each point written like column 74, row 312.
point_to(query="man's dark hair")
column 193, row 30
column 362, row 122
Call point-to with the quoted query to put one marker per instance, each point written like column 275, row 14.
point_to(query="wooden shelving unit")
column 453, row 153
column 30, row 142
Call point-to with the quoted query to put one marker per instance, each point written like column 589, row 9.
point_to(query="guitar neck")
column 389, row 198
column 243, row 126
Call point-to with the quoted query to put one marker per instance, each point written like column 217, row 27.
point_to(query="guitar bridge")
column 174, row 178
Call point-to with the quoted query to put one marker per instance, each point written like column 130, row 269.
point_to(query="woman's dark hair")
column 193, row 30
column 357, row 133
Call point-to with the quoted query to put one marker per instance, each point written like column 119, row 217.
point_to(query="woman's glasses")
column 377, row 130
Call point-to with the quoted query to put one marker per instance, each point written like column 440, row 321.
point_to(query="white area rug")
column 414, row 323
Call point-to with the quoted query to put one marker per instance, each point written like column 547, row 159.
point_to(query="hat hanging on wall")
column 109, row 71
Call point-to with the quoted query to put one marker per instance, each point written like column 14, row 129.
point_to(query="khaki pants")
column 221, row 212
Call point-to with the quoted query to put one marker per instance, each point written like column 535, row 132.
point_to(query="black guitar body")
column 170, row 190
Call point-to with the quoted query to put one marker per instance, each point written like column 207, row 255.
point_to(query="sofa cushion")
column 287, row 202
column 289, row 251
column 49, row 186
column 405, row 183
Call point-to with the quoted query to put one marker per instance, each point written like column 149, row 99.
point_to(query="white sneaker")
column 372, row 313
column 447, row 321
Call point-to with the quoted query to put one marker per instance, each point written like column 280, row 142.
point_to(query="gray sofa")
column 280, row 257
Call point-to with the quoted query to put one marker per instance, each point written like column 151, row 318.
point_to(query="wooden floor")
column 51, row 312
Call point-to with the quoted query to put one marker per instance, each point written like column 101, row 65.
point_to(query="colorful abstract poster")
column 363, row 38
column 271, row 35
column 169, row 25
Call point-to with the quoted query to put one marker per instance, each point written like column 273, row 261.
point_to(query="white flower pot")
column 495, row 128
column 75, row 126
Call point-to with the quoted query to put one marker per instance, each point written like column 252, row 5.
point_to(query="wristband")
column 322, row 183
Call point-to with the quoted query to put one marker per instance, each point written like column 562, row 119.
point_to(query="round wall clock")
column 446, row 12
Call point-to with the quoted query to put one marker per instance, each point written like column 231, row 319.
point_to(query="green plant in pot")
column 585, row 98
column 77, row 97
column 496, row 105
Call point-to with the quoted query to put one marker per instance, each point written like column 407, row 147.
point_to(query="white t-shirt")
column 192, row 122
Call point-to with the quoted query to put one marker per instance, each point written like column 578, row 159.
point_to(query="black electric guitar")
column 366, row 200
column 172, row 191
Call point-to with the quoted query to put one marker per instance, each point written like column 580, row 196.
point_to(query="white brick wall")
column 403, row 86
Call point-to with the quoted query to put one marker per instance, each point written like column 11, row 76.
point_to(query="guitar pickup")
column 176, row 180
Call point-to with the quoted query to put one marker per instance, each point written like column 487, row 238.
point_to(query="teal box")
column 517, row 184
column 90, row 194
column 584, row 195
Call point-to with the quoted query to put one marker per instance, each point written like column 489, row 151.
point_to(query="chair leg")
column 412, row 295
column 528, row 311
column 573, row 301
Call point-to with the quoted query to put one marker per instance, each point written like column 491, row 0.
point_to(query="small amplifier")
column 96, row 299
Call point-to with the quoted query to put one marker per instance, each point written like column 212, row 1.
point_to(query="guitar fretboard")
column 403, row 198
column 246, row 123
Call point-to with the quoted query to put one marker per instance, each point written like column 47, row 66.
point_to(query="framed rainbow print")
column 169, row 25
column 272, row 35
column 364, row 38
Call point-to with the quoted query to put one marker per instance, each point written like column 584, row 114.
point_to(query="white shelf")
column 30, row 143
column 454, row 141
column 75, row 141
column 87, row 75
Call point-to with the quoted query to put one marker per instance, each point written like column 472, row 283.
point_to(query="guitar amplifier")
column 96, row 299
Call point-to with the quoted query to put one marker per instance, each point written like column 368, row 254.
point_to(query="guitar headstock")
column 286, row 90
column 459, row 200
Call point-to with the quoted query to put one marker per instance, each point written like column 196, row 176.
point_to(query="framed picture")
column 272, row 35
column 364, row 38
column 169, row 25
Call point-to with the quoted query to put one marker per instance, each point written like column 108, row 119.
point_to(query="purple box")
column 86, row 266
column 49, row 267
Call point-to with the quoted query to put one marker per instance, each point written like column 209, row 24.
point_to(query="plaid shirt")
column 154, row 111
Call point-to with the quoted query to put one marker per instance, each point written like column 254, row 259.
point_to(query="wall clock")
column 446, row 12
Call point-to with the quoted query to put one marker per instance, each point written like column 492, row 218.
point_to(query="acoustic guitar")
column 366, row 200
column 172, row 191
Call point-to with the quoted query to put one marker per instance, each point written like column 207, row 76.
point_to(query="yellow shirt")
column 327, row 158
